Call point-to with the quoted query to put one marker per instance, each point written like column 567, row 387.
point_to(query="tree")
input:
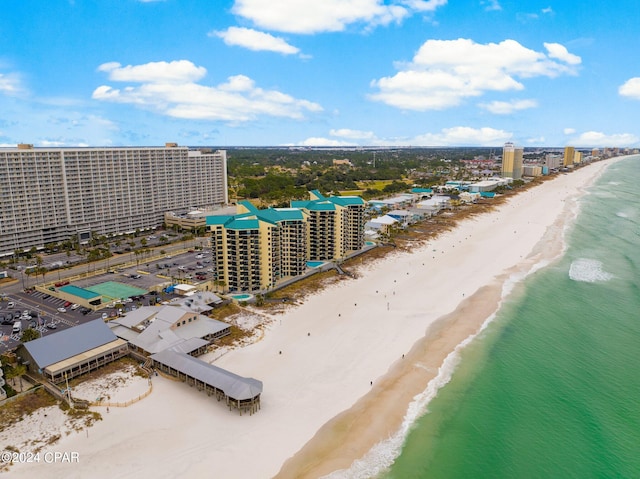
column 30, row 334
column 16, row 372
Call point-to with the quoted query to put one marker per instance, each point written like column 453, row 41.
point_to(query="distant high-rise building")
column 512, row 157
column 569, row 154
column 577, row 158
column 48, row 195
column 552, row 161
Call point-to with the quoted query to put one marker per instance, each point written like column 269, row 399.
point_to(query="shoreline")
column 326, row 456
column 338, row 353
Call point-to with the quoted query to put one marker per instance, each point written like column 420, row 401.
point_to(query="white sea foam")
column 588, row 271
column 622, row 214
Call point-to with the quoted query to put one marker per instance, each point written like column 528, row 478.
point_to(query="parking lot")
column 49, row 314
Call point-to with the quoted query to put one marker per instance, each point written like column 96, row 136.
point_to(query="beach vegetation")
column 15, row 410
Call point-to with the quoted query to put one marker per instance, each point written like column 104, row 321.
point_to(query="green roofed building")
column 256, row 249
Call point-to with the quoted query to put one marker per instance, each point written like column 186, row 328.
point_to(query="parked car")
column 67, row 304
column 11, row 304
column 62, row 310
column 52, row 326
column 74, row 306
column 104, row 316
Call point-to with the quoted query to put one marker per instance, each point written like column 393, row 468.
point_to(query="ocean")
column 551, row 387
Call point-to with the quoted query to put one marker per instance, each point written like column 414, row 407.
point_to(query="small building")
column 435, row 204
column 72, row 352
column 404, row 217
column 199, row 302
column 184, row 289
column 489, row 184
column 381, row 224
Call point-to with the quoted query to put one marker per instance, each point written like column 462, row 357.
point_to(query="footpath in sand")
column 350, row 358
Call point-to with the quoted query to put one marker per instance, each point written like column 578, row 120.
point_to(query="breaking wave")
column 588, row 271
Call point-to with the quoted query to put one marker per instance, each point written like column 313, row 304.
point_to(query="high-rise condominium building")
column 512, row 157
column 48, row 195
column 569, row 156
column 258, row 249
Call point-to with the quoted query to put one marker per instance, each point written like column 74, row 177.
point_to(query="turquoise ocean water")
column 551, row 388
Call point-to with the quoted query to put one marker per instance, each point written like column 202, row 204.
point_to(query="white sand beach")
column 335, row 361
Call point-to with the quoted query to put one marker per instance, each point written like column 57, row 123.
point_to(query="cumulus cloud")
column 630, row 88
column 599, row 139
column 170, row 89
column 508, row 107
column 445, row 72
column 303, row 16
column 455, row 136
column 569, row 131
column 463, row 136
column 560, row 52
column 179, row 71
column 255, row 40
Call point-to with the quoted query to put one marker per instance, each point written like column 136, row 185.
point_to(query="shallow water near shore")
column 550, row 388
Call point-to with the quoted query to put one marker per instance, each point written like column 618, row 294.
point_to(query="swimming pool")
column 314, row 264
column 241, row 297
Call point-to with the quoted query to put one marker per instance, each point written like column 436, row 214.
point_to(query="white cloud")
column 236, row 100
column 536, row 141
column 599, row 139
column 303, row 16
column 631, row 88
column 425, row 5
column 10, row 84
column 169, row 72
column 491, row 5
column 456, row 136
column 445, row 72
column 560, row 52
column 508, row 107
column 569, row 131
column 463, row 136
column 352, row 134
column 547, row 11
column 255, row 40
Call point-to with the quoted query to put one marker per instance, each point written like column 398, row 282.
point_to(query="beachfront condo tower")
column 512, row 157
column 49, row 195
column 569, row 156
column 258, row 249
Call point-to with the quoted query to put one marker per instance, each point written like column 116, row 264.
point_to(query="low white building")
column 435, row 204
column 381, row 224
column 151, row 329
column 489, row 184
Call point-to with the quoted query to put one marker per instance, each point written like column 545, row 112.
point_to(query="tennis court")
column 111, row 290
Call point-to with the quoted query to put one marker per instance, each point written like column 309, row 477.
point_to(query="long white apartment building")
column 48, row 195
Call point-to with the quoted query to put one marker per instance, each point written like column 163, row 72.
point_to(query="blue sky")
column 320, row 73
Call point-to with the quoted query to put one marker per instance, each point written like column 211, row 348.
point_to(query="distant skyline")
column 311, row 73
